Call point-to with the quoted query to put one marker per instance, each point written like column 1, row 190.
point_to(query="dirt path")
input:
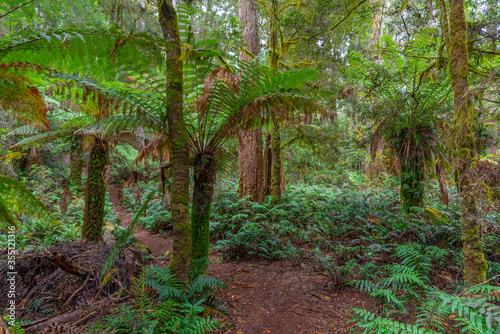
column 282, row 298
column 270, row 297
column 157, row 244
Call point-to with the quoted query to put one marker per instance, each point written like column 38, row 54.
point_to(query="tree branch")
column 14, row 9
column 348, row 14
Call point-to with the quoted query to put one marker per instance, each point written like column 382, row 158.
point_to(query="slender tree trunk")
column 276, row 165
column 181, row 255
column 119, row 14
column 377, row 25
column 95, row 192
column 251, row 164
column 76, row 162
column 268, row 163
column 112, row 12
column 475, row 265
column 275, row 132
column 204, row 180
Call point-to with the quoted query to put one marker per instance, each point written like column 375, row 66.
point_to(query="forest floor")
column 264, row 296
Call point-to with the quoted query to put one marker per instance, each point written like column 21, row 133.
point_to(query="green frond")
column 15, row 198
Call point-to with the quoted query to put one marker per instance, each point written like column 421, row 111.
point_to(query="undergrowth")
column 162, row 304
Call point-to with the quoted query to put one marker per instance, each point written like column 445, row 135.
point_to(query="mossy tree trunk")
column 251, row 164
column 204, row 180
column 412, row 182
column 76, row 162
column 475, row 265
column 95, row 192
column 181, row 254
column 275, row 131
column 276, row 165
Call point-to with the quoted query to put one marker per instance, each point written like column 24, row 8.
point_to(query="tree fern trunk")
column 251, row 164
column 181, row 254
column 204, row 180
column 95, row 192
column 474, row 262
column 76, row 162
column 412, row 182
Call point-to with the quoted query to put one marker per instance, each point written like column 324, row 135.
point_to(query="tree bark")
column 251, row 180
column 475, row 265
column 276, row 165
column 377, row 25
column 76, row 162
column 412, row 188
column 268, row 163
column 119, row 14
column 112, row 12
column 275, row 132
column 181, row 254
column 95, row 192
column 204, row 180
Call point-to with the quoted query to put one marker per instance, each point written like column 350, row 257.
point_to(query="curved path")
column 276, row 297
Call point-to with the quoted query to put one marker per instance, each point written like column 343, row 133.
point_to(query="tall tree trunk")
column 251, row 164
column 76, row 162
column 474, row 262
column 204, row 180
column 95, row 192
column 181, row 254
column 275, row 132
column 377, row 25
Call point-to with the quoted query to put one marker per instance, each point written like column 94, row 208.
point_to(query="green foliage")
column 163, row 305
column 123, row 238
column 473, row 311
column 156, row 216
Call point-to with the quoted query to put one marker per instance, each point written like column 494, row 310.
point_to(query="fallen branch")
column 65, row 264
column 72, row 316
column 70, row 299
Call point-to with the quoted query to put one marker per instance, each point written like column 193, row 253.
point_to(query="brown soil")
column 276, row 297
column 281, row 298
column 157, row 244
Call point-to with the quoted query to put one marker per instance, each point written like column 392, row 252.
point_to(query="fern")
column 179, row 308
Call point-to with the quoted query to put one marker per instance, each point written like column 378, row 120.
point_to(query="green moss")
column 204, row 180
column 95, row 192
column 276, row 165
column 76, row 162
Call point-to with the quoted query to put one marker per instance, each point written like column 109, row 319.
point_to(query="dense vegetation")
column 359, row 138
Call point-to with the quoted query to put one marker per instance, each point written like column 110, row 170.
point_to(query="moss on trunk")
column 95, row 192
column 412, row 182
column 76, row 162
column 276, row 165
column 475, row 265
column 204, row 180
column 181, row 254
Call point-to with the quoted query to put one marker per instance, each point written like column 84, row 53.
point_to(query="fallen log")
column 72, row 316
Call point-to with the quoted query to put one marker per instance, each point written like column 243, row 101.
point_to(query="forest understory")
column 250, row 166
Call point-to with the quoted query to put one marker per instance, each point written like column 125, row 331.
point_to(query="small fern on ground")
column 162, row 304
